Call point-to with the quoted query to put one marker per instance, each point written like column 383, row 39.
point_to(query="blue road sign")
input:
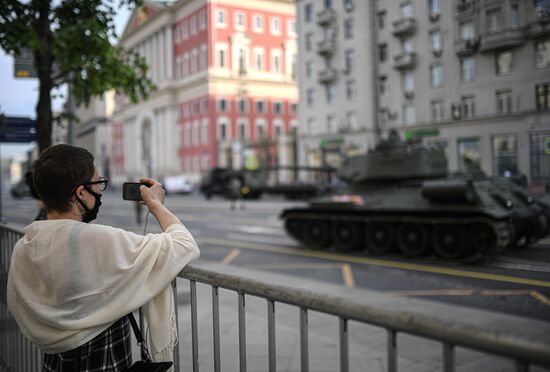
column 18, row 130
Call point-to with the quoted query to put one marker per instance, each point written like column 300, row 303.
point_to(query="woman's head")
column 59, row 170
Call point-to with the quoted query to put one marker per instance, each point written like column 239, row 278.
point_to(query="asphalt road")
column 251, row 236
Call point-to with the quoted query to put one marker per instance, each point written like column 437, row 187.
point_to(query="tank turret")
column 399, row 197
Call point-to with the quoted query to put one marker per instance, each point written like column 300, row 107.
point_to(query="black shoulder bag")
column 146, row 364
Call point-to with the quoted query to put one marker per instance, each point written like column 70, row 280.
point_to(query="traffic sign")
column 18, row 130
column 23, row 64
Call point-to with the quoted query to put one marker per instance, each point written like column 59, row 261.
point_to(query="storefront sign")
column 331, row 142
column 420, row 133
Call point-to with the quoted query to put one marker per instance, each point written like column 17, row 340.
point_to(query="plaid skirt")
column 109, row 351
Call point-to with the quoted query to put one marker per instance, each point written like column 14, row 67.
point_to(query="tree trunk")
column 43, row 63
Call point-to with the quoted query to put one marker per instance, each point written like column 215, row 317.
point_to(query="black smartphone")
column 130, row 191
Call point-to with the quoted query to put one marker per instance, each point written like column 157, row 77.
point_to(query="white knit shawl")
column 69, row 281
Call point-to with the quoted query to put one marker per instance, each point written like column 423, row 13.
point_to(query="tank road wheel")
column 448, row 241
column 347, row 235
column 317, row 233
column 380, row 237
column 482, row 239
column 412, row 239
column 295, row 228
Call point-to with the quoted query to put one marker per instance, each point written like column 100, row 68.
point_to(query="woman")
column 71, row 284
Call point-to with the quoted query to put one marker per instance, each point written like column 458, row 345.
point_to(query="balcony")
column 466, row 47
column 404, row 26
column 404, row 60
column 538, row 29
column 326, row 76
column 505, row 38
column 326, row 17
column 466, row 9
column 326, row 47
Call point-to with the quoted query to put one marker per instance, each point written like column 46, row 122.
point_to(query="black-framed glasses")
column 101, row 183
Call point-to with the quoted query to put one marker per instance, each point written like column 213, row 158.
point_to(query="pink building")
column 226, row 91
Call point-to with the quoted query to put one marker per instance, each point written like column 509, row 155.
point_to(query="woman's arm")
column 153, row 198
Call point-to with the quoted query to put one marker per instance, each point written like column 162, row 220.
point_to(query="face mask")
column 90, row 214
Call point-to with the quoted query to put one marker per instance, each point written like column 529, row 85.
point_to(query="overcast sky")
column 18, row 97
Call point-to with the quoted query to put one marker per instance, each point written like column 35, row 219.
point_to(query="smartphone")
column 130, row 191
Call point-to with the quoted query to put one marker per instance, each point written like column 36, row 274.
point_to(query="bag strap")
column 139, row 337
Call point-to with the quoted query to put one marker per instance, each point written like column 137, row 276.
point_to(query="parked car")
column 178, row 185
column 20, row 189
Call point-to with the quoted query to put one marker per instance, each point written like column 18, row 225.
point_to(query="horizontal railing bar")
column 454, row 333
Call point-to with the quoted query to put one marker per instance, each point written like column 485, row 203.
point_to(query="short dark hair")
column 59, row 170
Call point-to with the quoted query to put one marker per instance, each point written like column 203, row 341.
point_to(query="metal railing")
column 19, row 355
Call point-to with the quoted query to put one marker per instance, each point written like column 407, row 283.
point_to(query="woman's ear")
column 79, row 191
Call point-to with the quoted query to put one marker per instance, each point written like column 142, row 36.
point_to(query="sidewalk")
column 367, row 344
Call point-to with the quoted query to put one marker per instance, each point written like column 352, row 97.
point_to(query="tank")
column 399, row 197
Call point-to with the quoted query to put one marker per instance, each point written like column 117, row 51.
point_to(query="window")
column 543, row 96
column 436, row 110
column 348, row 28
column 260, row 107
column 436, row 73
column 308, row 12
column 467, row 69
column 205, row 105
column 259, row 59
column 222, row 129
column 239, row 21
column 504, row 101
column 222, row 105
column 349, row 61
column 202, row 19
column 185, row 30
column 409, row 114
column 277, row 128
column 383, row 52
column 468, row 106
column 194, row 61
column 434, row 7
column 260, row 129
column 258, row 25
column 408, row 81
column 204, row 57
column 407, row 45
column 311, row 125
column 493, row 20
column 294, row 108
column 242, row 61
column 310, row 69
column 277, row 108
column 328, row 4
column 309, row 41
column 291, row 28
column 504, row 62
column 187, row 134
column 221, row 58
column 542, row 52
column 220, row 18
column 382, row 20
column 276, row 61
column 330, row 90
column 242, row 128
column 310, row 97
column 195, row 132
column 514, row 15
column 384, row 85
column 406, row 10
column 242, row 106
column 351, row 89
column 467, row 31
column 436, row 41
column 196, row 108
column 505, row 155
column 204, row 131
column 469, row 154
column 348, row 4
column 194, row 25
column 275, row 26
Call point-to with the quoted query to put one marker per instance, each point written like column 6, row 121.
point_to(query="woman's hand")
column 153, row 193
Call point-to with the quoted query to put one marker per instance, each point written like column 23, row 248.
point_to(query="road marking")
column 231, row 256
column 312, row 266
column 347, row 275
column 540, row 297
column 378, row 262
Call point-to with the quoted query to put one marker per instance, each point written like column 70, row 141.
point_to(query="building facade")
column 470, row 75
column 226, row 92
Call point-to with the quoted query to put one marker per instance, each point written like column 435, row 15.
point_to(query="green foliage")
column 78, row 46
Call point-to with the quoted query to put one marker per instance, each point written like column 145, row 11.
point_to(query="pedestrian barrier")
column 17, row 354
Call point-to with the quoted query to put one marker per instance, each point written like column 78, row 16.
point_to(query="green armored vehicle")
column 399, row 197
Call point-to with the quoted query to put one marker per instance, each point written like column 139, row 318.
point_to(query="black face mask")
column 90, row 214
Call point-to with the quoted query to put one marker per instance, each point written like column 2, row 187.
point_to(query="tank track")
column 502, row 229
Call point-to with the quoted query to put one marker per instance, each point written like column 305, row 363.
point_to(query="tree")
column 71, row 43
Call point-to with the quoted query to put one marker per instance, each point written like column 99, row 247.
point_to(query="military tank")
column 400, row 197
